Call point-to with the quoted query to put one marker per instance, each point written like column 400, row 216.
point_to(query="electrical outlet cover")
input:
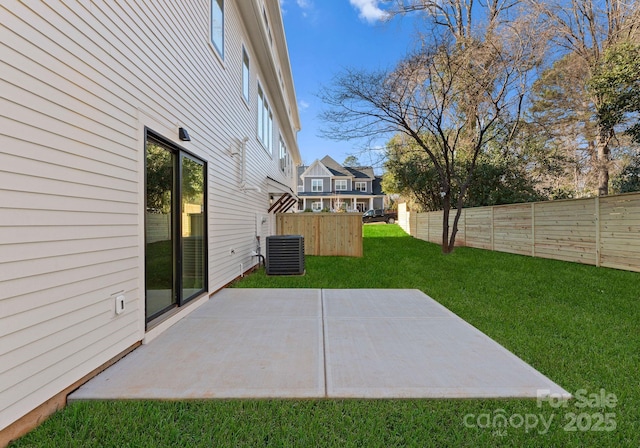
column 120, row 304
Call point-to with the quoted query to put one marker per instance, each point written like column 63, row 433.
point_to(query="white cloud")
column 369, row 10
column 302, row 104
column 304, row 5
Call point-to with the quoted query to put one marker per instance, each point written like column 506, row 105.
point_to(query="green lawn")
column 579, row 325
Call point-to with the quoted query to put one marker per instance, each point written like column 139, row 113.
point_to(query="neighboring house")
column 144, row 149
column 327, row 185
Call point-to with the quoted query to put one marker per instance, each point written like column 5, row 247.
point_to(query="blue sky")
column 325, row 36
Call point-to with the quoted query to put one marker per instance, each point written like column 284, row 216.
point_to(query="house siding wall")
column 80, row 82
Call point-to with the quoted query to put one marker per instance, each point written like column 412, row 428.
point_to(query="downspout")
column 243, row 176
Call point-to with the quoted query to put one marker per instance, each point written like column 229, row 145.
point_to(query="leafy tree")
column 410, row 173
column 562, row 121
column 160, row 166
column 192, row 181
column 546, row 163
column 586, row 29
column 499, row 179
column 160, row 175
column 629, row 178
column 351, row 161
column 616, row 80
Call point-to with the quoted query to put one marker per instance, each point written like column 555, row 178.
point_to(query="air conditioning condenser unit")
column 285, row 255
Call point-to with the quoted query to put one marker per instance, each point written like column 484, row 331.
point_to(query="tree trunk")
column 456, row 220
column 603, row 164
column 446, row 208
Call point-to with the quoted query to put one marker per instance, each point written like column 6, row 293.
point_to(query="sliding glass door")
column 192, row 235
column 175, row 227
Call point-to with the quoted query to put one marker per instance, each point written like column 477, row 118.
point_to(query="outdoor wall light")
column 183, row 135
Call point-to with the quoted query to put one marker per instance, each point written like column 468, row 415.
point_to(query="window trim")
column 265, row 118
column 246, row 71
column 283, row 155
column 314, row 208
column 212, row 39
column 361, row 183
column 315, row 181
column 266, row 24
column 344, row 182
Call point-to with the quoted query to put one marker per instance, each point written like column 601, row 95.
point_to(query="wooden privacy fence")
column 602, row 231
column 324, row 233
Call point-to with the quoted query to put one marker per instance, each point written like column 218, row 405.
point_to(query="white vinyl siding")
column 80, row 82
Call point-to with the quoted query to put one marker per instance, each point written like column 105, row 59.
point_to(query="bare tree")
column 586, row 29
column 447, row 98
column 464, row 20
column 461, row 90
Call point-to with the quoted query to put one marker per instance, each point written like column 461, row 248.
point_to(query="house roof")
column 335, row 168
column 317, row 168
column 361, row 172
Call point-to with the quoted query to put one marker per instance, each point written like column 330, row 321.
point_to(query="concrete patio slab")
column 402, row 344
column 310, row 343
column 240, row 344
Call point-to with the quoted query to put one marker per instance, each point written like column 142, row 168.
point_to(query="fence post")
column 533, row 229
column 597, row 218
column 492, row 232
column 464, row 217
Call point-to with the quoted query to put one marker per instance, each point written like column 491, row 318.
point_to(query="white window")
column 316, row 206
column 265, row 121
column 283, row 156
column 217, row 25
column 361, row 186
column 341, row 185
column 316, row 185
column 245, row 74
column 266, row 24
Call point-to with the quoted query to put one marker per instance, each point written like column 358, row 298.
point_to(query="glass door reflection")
column 160, row 228
column 193, row 227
